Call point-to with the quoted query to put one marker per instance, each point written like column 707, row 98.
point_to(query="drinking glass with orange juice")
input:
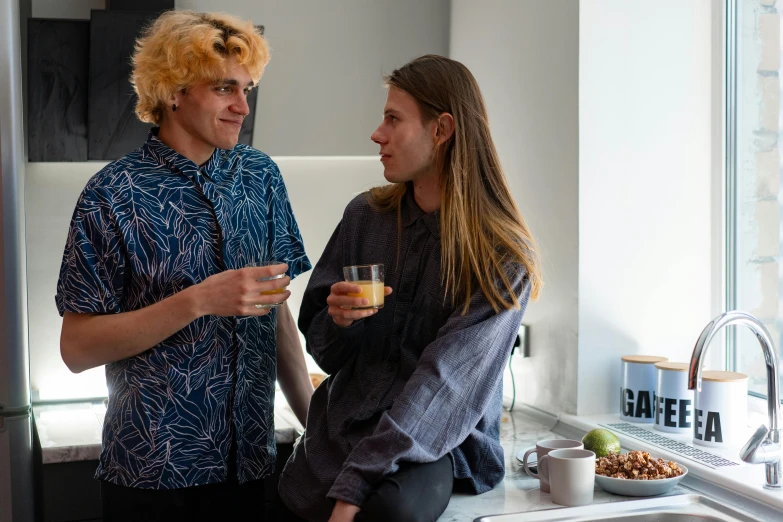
column 369, row 278
column 274, row 290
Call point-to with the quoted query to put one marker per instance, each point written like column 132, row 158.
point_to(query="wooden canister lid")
column 644, row 359
column 673, row 366
column 720, row 376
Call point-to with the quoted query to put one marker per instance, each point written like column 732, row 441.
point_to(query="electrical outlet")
column 524, row 341
column 520, row 350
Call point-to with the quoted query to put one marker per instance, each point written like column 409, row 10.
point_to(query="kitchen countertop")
column 72, row 432
column 719, row 468
column 520, row 430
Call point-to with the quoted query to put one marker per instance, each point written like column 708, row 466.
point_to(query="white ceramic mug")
column 637, row 392
column 543, row 447
column 571, row 475
column 720, row 415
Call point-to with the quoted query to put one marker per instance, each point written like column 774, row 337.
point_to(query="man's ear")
column 174, row 101
column 445, row 128
column 176, row 97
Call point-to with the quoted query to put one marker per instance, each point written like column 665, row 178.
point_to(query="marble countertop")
column 518, row 492
column 72, row 432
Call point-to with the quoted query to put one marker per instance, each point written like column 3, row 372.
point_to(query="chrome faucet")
column 764, row 446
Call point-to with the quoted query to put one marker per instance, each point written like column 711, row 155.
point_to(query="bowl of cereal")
column 637, row 474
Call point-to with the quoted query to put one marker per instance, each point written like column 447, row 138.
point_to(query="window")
column 753, row 180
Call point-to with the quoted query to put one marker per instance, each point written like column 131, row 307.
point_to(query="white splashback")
column 319, row 189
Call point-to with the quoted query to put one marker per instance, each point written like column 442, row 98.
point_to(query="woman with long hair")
column 412, row 406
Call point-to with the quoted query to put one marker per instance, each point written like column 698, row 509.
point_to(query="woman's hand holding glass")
column 344, row 309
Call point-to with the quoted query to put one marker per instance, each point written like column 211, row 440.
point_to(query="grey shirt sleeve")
column 448, row 393
column 330, row 345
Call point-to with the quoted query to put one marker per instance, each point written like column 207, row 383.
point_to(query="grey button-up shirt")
column 412, row 383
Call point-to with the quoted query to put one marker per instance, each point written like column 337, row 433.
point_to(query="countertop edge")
column 87, row 452
column 72, row 432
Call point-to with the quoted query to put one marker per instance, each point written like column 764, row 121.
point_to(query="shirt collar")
column 411, row 213
column 179, row 164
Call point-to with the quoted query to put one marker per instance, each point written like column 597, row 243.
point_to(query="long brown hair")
column 482, row 230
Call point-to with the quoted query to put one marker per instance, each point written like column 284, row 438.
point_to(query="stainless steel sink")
column 679, row 508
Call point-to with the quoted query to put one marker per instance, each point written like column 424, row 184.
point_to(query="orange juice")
column 372, row 291
column 274, row 291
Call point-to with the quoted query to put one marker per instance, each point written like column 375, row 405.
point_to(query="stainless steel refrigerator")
column 17, row 491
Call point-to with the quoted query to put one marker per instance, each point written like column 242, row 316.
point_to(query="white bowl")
column 639, row 488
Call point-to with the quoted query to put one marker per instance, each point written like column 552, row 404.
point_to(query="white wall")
column 646, row 117
column 319, row 189
column 525, row 58
column 320, row 91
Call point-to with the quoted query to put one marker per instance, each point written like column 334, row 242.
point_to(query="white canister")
column 673, row 400
column 638, row 388
column 720, row 415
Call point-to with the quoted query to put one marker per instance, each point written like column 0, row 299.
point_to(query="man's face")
column 212, row 114
column 407, row 144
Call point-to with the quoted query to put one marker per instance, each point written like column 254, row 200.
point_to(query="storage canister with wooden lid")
column 638, row 388
column 720, row 415
column 673, row 400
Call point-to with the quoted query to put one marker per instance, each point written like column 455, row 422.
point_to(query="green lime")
column 601, row 442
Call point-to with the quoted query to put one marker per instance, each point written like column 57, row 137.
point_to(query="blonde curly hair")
column 183, row 48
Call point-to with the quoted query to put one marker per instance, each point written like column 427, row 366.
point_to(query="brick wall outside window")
column 758, row 179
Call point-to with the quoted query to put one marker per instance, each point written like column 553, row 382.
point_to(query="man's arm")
column 291, row 368
column 91, row 340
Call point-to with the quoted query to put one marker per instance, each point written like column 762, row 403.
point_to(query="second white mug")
column 571, row 475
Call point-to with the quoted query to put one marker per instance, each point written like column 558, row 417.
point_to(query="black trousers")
column 416, row 493
column 218, row 502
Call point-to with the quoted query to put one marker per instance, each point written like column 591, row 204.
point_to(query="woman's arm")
column 329, row 344
column 449, row 392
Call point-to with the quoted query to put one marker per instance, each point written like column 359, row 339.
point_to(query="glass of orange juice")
column 370, row 279
column 269, row 292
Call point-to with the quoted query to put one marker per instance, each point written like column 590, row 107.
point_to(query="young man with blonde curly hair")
column 155, row 285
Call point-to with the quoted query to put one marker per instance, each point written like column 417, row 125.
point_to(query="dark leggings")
column 416, row 493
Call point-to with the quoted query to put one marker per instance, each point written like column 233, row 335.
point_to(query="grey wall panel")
column 322, row 92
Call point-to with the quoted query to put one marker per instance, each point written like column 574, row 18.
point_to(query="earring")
column 174, row 108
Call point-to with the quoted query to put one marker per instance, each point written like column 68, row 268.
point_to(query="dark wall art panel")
column 113, row 128
column 57, row 78
column 246, row 133
column 139, row 5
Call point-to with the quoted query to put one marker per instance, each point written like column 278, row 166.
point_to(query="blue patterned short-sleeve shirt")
column 146, row 227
